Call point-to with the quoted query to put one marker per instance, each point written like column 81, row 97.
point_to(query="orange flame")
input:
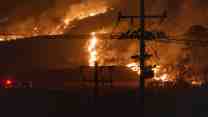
column 4, row 38
column 92, row 50
column 74, row 13
column 134, row 67
column 164, row 77
column 81, row 12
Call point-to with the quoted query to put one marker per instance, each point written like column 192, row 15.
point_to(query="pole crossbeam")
column 120, row 16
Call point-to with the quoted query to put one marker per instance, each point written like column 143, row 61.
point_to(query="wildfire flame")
column 164, row 77
column 4, row 38
column 74, row 12
column 66, row 22
column 92, row 49
column 134, row 67
column 83, row 11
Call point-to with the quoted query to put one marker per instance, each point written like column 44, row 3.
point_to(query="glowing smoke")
column 81, row 11
column 52, row 18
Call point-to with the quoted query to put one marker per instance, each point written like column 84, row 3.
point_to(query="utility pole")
column 96, row 82
column 141, row 34
column 142, row 56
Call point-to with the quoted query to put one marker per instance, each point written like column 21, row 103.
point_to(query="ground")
column 112, row 102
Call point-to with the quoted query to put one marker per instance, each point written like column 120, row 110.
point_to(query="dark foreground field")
column 112, row 103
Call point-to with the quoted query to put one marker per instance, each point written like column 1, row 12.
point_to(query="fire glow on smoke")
column 75, row 12
column 84, row 11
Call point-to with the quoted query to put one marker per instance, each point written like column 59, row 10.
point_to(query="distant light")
column 8, row 82
column 1, row 39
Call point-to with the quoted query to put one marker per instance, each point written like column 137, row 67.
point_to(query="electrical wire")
column 170, row 39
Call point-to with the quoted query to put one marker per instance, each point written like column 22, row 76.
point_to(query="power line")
column 168, row 40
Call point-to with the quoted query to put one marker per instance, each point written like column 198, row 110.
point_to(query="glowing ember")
column 164, row 77
column 196, row 83
column 92, row 50
column 10, row 37
column 134, row 67
column 156, row 69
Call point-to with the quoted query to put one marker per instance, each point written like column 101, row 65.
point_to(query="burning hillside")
column 51, row 18
column 38, row 17
column 59, row 17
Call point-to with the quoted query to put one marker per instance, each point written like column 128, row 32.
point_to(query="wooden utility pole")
column 96, row 82
column 142, row 56
column 141, row 35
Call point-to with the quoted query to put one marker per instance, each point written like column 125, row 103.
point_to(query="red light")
column 8, row 82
